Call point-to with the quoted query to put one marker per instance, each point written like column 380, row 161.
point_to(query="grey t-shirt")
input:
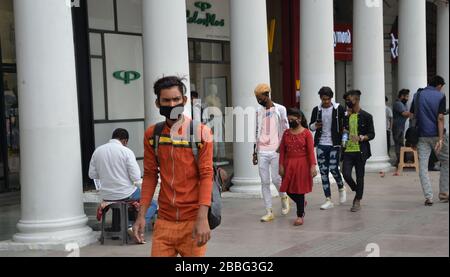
column 399, row 119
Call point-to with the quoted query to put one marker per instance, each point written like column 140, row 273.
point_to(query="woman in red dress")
column 297, row 161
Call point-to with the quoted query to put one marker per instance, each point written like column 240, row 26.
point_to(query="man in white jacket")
column 271, row 123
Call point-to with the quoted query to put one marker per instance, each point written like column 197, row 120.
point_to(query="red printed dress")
column 297, row 157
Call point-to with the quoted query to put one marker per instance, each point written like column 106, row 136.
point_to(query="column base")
column 251, row 188
column 381, row 164
column 60, row 235
column 247, row 188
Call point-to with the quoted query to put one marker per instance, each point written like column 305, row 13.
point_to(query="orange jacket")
column 185, row 183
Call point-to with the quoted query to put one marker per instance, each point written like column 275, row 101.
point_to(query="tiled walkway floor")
column 393, row 218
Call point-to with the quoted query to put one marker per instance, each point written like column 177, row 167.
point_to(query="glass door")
column 11, row 115
column 9, row 106
column 3, row 142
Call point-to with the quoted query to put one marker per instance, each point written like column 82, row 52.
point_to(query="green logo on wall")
column 209, row 20
column 127, row 76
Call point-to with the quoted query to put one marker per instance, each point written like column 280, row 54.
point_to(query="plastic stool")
column 402, row 163
column 120, row 215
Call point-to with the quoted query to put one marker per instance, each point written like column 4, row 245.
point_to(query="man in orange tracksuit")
column 186, row 184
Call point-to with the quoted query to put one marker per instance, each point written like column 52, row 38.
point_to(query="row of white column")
column 52, row 207
column 317, row 57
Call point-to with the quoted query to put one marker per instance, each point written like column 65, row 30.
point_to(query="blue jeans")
column 328, row 160
column 151, row 210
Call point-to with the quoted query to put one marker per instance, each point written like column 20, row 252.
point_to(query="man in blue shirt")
column 430, row 117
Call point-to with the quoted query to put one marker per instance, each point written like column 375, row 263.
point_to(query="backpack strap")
column 194, row 139
column 156, row 136
column 417, row 107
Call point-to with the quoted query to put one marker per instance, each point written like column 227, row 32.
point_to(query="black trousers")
column 299, row 199
column 354, row 160
column 388, row 135
column 399, row 143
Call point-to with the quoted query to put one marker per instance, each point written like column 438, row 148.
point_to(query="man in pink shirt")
column 270, row 126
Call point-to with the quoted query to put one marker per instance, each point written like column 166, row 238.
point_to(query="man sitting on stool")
column 114, row 164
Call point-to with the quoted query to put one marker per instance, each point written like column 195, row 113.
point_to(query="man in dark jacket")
column 327, row 121
column 358, row 124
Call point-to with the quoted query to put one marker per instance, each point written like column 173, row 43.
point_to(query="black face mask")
column 172, row 113
column 349, row 104
column 263, row 103
column 293, row 124
column 404, row 101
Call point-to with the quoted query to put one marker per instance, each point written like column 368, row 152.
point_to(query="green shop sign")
column 210, row 19
column 127, row 76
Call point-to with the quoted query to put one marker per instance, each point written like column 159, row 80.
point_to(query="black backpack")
column 215, row 211
column 412, row 134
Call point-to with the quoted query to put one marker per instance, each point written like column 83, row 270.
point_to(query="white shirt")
column 117, row 169
column 389, row 118
column 327, row 121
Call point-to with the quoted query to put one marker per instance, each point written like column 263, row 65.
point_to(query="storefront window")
column 211, row 79
column 9, row 105
column 7, row 33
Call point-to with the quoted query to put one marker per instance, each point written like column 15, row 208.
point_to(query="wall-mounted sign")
column 208, row 19
column 272, row 28
column 343, row 42
column 394, row 42
column 124, row 67
column 127, row 76
column 394, row 47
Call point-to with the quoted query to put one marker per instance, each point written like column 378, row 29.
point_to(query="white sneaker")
column 268, row 217
column 285, row 207
column 327, row 205
column 342, row 196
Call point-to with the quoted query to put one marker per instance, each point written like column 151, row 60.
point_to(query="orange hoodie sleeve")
column 150, row 169
column 205, row 166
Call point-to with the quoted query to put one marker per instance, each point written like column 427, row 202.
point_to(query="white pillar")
column 442, row 48
column 51, row 181
column 317, row 67
column 249, row 66
column 165, row 49
column 412, row 71
column 368, row 74
column 316, row 51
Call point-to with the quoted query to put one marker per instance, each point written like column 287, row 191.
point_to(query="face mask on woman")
column 293, row 124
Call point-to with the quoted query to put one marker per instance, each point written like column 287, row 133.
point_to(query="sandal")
column 299, row 221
